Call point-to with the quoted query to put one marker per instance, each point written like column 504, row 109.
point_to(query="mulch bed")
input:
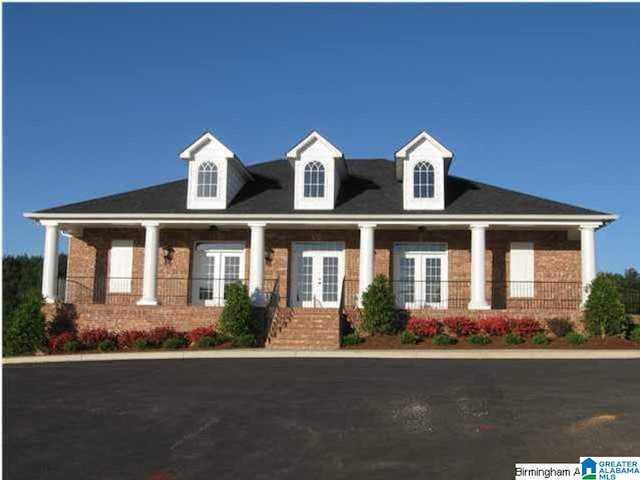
column 392, row 342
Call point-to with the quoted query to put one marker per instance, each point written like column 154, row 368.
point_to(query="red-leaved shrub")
column 495, row 326
column 461, row 326
column 57, row 342
column 159, row 335
column 127, row 338
column 526, row 327
column 197, row 334
column 92, row 337
column 424, row 327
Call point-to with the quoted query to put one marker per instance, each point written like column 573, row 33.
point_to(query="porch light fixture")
column 167, row 253
column 268, row 255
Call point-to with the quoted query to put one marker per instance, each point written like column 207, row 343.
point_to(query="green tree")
column 604, row 310
column 379, row 307
column 25, row 332
column 237, row 320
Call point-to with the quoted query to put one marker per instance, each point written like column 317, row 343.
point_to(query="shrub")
column 408, row 337
column 107, row 345
column 174, row 343
column 560, row 326
column 494, row 326
column 26, row 330
column 635, row 334
column 540, row 339
column 424, row 327
column 157, row 336
column 442, row 339
column 210, row 342
column 478, row 339
column 604, row 310
column 351, row 339
column 378, row 306
column 72, row 346
column 127, row 339
column 236, row 319
column 57, row 342
column 461, row 326
column 197, row 334
column 142, row 343
column 575, row 338
column 248, row 340
column 513, row 338
column 526, row 327
column 92, row 337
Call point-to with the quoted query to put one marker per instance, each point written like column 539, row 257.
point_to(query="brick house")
column 308, row 233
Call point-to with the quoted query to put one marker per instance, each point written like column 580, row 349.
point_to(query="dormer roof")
column 207, row 138
column 416, row 141
column 307, row 141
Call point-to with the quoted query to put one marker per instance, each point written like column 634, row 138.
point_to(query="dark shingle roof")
column 371, row 188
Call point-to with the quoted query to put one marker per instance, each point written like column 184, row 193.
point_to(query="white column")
column 588, row 255
column 478, row 299
column 367, row 249
column 256, row 272
column 150, row 275
column 50, row 262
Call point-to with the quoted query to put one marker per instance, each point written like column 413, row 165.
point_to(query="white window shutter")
column 521, row 270
column 120, row 266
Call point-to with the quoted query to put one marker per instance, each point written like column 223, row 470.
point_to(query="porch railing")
column 455, row 294
column 170, row 290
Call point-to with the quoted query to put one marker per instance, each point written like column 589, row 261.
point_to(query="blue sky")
column 545, row 99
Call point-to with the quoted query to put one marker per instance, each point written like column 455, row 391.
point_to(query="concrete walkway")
column 479, row 354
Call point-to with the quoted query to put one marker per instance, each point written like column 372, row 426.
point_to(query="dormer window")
column 423, row 180
column 314, row 180
column 207, row 180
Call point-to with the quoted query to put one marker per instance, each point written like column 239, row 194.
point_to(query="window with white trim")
column 521, row 270
column 423, row 180
column 314, row 180
column 207, row 180
column 120, row 266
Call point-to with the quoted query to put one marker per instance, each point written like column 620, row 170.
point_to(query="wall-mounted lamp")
column 167, row 253
column 268, row 255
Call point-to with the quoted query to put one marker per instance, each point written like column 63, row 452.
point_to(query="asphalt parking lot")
column 314, row 418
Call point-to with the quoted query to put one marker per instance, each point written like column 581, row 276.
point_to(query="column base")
column 147, row 302
column 50, row 299
column 478, row 306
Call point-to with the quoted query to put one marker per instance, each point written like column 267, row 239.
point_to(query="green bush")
column 604, row 310
column 174, row 343
column 560, row 326
column 236, row 319
column 143, row 343
column 478, row 339
column 406, row 337
column 210, row 342
column 351, row 339
column 635, row 334
column 442, row 339
column 575, row 338
column 513, row 338
column 26, row 330
column 107, row 345
column 540, row 339
column 72, row 346
column 247, row 340
column 379, row 307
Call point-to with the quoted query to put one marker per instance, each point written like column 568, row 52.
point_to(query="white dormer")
column 215, row 174
column 319, row 169
column 421, row 166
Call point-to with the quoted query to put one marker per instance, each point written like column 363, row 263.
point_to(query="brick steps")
column 302, row 328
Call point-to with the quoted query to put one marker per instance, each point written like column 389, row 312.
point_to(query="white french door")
column 215, row 266
column 318, row 271
column 421, row 275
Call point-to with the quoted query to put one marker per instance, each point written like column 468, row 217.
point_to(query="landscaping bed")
column 392, row 342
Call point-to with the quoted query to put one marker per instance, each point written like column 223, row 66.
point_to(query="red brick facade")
column 556, row 259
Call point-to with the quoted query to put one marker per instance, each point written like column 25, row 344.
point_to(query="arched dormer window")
column 423, row 180
column 207, row 180
column 314, row 180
